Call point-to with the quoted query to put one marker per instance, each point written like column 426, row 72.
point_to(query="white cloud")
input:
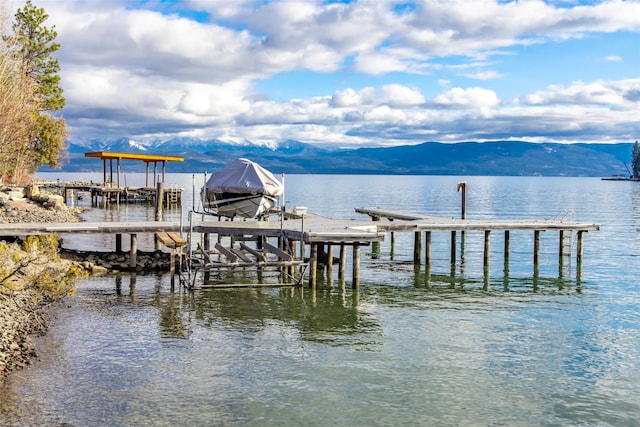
column 472, row 98
column 484, row 75
column 132, row 67
column 616, row 93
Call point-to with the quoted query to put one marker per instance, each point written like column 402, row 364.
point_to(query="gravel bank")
column 22, row 313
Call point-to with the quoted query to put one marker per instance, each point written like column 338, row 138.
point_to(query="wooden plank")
column 259, row 255
column 278, row 252
column 227, row 253
column 247, row 285
column 391, row 214
column 177, row 239
column 205, row 255
column 164, row 238
column 243, row 256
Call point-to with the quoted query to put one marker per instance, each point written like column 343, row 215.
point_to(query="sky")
column 349, row 73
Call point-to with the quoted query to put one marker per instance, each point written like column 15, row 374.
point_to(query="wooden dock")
column 321, row 233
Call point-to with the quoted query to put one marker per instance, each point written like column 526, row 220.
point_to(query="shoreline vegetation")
column 35, row 272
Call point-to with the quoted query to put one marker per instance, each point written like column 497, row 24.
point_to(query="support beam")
column 579, row 249
column 427, row 249
column 343, row 261
column 133, row 252
column 536, row 252
column 417, row 247
column 313, row 265
column 118, row 243
column 356, row 266
column 453, row 247
column 118, row 174
column 507, row 245
column 487, row 250
column 329, row 265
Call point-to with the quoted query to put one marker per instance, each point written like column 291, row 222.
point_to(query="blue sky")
column 350, row 73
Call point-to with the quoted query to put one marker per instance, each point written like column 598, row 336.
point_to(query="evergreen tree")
column 635, row 160
column 31, row 134
column 34, row 45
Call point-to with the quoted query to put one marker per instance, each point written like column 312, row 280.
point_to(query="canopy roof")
column 244, row 176
column 105, row 155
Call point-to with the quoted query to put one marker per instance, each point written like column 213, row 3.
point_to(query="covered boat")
column 242, row 188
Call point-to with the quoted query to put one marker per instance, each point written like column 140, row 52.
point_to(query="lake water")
column 408, row 348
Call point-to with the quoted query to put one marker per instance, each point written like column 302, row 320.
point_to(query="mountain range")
column 506, row 158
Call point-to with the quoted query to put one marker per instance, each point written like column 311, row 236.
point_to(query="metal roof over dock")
column 147, row 158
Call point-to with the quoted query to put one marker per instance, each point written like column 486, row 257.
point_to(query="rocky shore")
column 23, row 312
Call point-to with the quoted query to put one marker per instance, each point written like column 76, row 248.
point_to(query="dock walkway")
column 320, row 232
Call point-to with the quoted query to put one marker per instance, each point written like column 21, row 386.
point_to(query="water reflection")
column 328, row 315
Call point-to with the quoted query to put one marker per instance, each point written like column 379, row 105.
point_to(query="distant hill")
column 507, row 158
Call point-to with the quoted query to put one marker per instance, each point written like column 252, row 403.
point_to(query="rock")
column 32, row 191
column 16, row 194
column 98, row 270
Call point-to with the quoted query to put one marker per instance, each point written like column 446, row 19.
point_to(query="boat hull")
column 239, row 205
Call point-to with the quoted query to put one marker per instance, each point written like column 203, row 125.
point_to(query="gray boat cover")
column 244, row 176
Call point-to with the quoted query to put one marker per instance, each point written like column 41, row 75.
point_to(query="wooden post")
column 133, row 252
column 393, row 245
column 343, row 261
column 487, row 249
column 313, row 265
column 207, row 241
column 561, row 254
column 579, row 249
column 118, row 243
column 561, row 244
column 427, row 249
column 155, row 171
column 536, row 252
column 417, row 247
column 118, row 176
column 356, row 266
column 172, row 265
column 462, row 187
column 329, row 264
column 375, row 246
column 453, row 247
column 507, row 245
column 159, row 200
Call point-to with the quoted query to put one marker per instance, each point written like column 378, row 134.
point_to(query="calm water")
column 409, row 348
